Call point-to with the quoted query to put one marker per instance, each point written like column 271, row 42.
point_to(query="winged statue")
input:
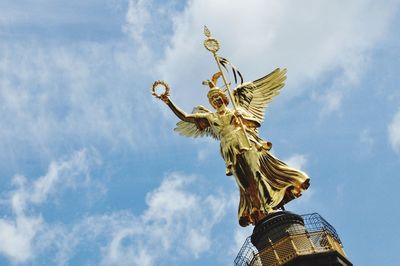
column 265, row 183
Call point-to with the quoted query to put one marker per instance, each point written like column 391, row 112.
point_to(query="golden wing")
column 255, row 96
column 200, row 128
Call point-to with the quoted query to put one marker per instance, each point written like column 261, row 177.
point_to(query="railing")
column 314, row 222
column 246, row 253
column 318, row 236
column 296, row 245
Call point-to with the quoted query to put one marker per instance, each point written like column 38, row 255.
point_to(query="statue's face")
column 217, row 101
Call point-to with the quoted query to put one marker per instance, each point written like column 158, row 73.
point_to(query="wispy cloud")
column 177, row 223
column 138, row 16
column 56, row 98
column 297, row 161
column 58, row 95
column 330, row 101
column 19, row 233
column 394, row 132
column 149, row 24
column 310, row 42
column 239, row 236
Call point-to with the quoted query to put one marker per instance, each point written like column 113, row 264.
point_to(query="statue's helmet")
column 214, row 90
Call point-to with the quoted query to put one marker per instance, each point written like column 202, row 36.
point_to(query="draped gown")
column 265, row 182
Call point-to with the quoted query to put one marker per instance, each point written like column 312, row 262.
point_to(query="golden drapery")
column 265, row 182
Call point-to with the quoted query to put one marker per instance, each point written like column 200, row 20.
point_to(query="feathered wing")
column 200, row 128
column 255, row 96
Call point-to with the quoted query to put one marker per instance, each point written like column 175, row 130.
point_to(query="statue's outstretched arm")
column 197, row 117
column 182, row 115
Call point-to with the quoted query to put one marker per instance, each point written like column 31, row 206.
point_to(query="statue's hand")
column 164, row 97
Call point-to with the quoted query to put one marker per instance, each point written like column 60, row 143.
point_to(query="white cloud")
column 20, row 233
column 329, row 101
column 57, row 98
column 149, row 24
column 240, row 235
column 66, row 95
column 394, row 132
column 16, row 237
column 310, row 38
column 198, row 242
column 176, row 224
column 137, row 18
column 297, row 161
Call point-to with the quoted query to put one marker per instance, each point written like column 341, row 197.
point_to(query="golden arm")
column 182, row 115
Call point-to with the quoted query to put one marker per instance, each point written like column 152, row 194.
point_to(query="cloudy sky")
column 91, row 172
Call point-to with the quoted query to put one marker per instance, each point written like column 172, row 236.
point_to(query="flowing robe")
column 265, row 182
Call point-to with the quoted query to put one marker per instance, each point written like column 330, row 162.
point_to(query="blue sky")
column 91, row 172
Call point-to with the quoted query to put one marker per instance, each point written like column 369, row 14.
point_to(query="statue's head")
column 215, row 95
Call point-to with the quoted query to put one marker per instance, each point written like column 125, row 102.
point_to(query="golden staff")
column 212, row 45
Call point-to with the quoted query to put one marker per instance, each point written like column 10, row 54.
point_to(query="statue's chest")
column 222, row 122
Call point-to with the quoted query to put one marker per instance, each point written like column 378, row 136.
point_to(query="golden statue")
column 265, row 182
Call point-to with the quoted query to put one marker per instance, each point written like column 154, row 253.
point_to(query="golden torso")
column 227, row 128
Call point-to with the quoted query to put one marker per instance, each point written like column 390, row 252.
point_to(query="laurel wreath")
column 160, row 83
